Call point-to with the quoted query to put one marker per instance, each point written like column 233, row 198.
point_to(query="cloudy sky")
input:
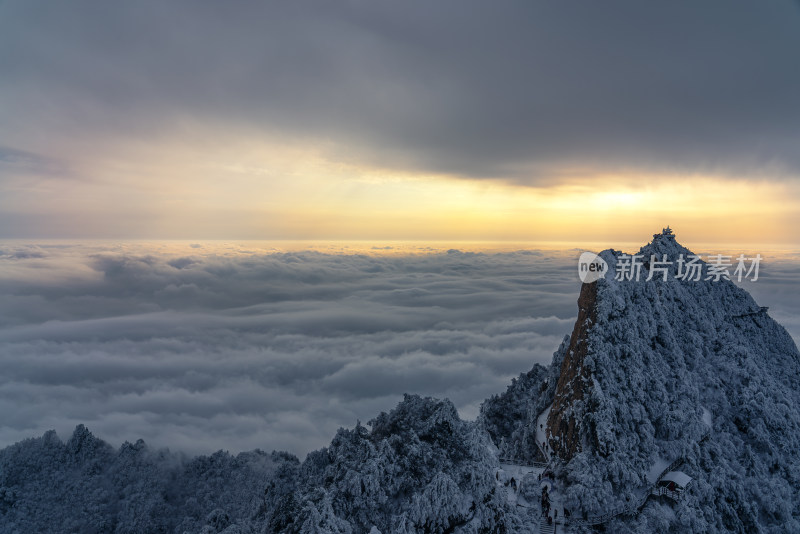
column 400, row 120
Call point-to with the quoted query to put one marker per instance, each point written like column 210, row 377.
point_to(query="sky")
column 467, row 120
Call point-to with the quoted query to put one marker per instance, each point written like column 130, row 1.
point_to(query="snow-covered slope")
column 419, row 469
column 84, row 486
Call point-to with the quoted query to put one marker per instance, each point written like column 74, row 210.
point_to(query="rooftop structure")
column 673, row 485
column 665, row 233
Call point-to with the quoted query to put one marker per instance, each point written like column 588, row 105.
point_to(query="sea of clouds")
column 204, row 346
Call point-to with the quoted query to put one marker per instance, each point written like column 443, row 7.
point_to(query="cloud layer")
column 207, row 346
column 530, row 91
column 201, row 351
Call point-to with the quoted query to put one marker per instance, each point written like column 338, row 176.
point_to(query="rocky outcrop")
column 574, row 380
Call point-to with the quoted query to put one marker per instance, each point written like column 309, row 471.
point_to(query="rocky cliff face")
column 574, row 380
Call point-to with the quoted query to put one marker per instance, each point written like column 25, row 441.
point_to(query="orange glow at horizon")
column 704, row 208
column 257, row 189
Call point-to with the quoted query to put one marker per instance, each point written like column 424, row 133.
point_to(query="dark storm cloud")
column 528, row 90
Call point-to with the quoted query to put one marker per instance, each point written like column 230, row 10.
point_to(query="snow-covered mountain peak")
column 664, row 242
column 668, row 367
